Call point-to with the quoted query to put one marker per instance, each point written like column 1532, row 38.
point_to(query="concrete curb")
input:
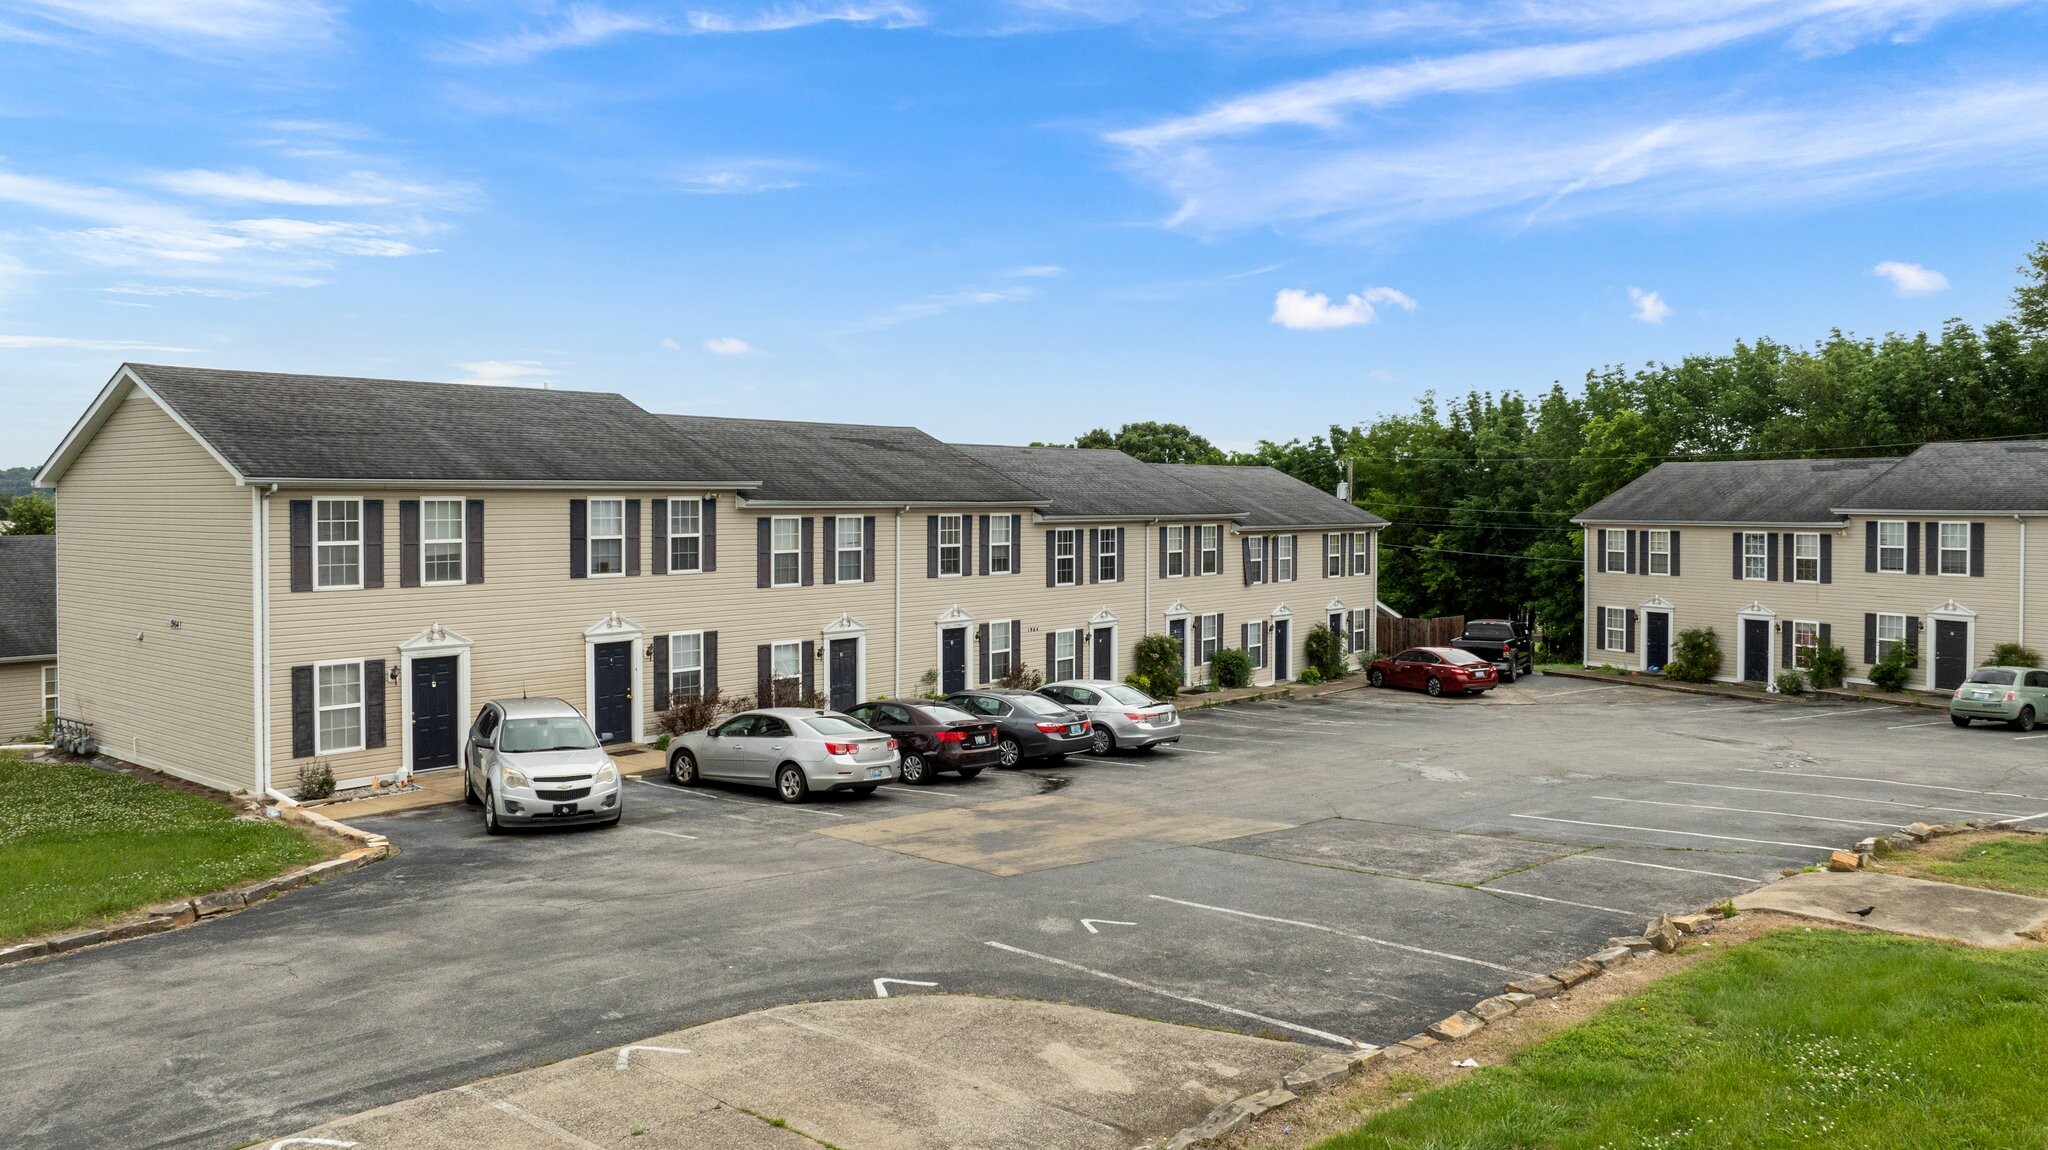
column 1723, row 691
column 1266, row 694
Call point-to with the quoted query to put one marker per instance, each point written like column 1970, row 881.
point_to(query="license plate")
column 981, row 740
column 1073, row 728
column 878, row 774
column 565, row 808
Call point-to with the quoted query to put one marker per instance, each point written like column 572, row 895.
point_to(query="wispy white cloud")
column 186, row 23
column 588, row 25
column 164, row 290
column 1297, row 309
column 1911, row 279
column 1649, row 306
column 29, row 342
column 728, row 345
column 941, row 304
column 1037, row 272
column 668, row 343
column 782, row 17
column 740, row 175
column 351, row 189
column 505, row 372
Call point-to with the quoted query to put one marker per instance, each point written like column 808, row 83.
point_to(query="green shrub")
column 1158, row 660
column 1137, row 682
column 1021, row 678
column 686, row 713
column 1830, row 664
column 316, row 781
column 1791, row 683
column 2012, row 655
column 1323, row 650
column 1891, row 672
column 1698, row 658
column 1230, row 667
column 1309, row 677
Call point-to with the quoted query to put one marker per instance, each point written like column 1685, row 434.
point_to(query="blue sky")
column 1010, row 220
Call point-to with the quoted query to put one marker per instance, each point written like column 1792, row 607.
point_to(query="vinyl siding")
column 154, row 529
column 21, row 699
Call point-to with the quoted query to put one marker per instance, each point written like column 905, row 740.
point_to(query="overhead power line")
column 1706, row 456
column 1480, row 554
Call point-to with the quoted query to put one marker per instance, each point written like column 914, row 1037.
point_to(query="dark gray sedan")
column 1028, row 725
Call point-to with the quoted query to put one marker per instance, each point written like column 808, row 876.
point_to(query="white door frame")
column 1756, row 610
column 954, row 616
column 1096, row 622
column 1281, row 614
column 1951, row 612
column 615, row 628
column 1657, row 604
column 848, row 627
column 1180, row 611
column 433, row 643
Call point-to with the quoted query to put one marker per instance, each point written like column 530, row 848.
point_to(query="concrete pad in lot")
column 1016, row 836
column 1903, row 906
column 931, row 1072
column 1403, row 851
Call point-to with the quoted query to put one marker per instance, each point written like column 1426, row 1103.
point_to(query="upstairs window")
column 1617, row 552
column 1360, row 564
column 337, row 544
column 607, row 537
column 440, row 541
column 1255, row 567
column 1064, row 568
column 1002, row 549
column 951, row 561
column 1891, row 545
column 1176, row 552
column 1106, row 557
column 1756, row 555
column 785, row 555
column 1283, row 558
column 685, row 535
column 1212, row 550
column 1955, row 548
column 1333, row 559
column 1806, row 559
column 851, row 548
column 1660, row 552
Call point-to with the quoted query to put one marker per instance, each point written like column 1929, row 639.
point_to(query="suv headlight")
column 608, row 773
column 514, row 778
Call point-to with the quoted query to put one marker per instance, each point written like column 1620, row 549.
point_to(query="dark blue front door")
column 433, row 713
column 614, row 675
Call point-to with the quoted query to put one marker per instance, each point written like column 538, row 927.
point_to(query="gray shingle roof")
column 849, row 463
column 1098, row 483
column 272, row 426
column 1738, row 491
column 28, row 596
column 1272, row 498
column 1975, row 477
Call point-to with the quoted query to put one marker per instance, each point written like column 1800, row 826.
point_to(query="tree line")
column 1480, row 489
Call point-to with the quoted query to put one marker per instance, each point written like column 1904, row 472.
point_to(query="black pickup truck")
column 1504, row 642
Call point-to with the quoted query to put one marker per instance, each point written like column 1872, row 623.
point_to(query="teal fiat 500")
column 2015, row 696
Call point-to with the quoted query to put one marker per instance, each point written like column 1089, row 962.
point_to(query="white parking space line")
column 1222, row 738
column 1750, row 811
column 695, row 794
column 1338, row 1039
column 1340, row 933
column 1663, row 831
column 2018, row 821
column 533, row 1120
column 681, row 793
column 1731, row 709
column 1595, row 856
column 1560, row 901
column 671, row 834
column 1911, row 726
column 1892, row 783
column 1834, row 714
column 2026, row 738
column 1837, row 798
column 1191, row 751
column 904, row 791
column 1577, row 691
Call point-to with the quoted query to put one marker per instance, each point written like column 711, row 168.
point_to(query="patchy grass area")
column 2001, row 860
column 79, row 845
column 1798, row 1039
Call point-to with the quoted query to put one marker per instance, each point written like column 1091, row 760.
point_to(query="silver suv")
column 534, row 761
column 1120, row 714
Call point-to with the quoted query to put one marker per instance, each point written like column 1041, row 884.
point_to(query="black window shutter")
column 1913, row 547
column 1629, row 561
column 1933, row 549
column 1824, row 631
column 1596, row 626
column 1601, row 562
column 1222, row 537
column 810, row 658
column 1119, row 554
column 984, row 545
column 1016, row 544
column 373, row 543
column 967, row 545
column 831, row 529
column 1162, row 552
column 1791, row 571
column 660, row 671
column 1244, row 636
column 867, row 549
column 1771, row 557
column 1094, row 555
column 373, row 704
column 764, row 689
column 1630, row 649
column 762, row 527
column 1785, row 640
column 1674, row 553
column 982, row 639
column 1051, row 650
column 931, row 547
column 473, row 541
column 657, row 510
column 1870, row 638
column 1294, row 545
column 1187, row 550
column 711, row 664
column 708, row 550
column 1051, row 567
column 579, row 538
column 1977, row 549
column 1738, row 554
column 302, row 707
column 1247, row 559
column 1827, row 558
column 409, row 543
column 632, row 536
column 302, row 546
column 1870, row 546
column 1913, row 633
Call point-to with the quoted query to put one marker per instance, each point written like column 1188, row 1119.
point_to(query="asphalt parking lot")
column 1352, row 867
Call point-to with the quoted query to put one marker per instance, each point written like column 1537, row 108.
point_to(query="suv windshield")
column 1128, row 696
column 528, row 736
column 837, row 725
column 1037, row 704
column 1993, row 676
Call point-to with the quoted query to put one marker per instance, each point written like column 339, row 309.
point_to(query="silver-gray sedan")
column 794, row 750
column 1120, row 714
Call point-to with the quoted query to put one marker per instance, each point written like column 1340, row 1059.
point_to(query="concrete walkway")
column 1903, row 906
column 915, row 1072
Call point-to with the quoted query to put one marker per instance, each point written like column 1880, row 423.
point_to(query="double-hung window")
column 1063, row 655
column 440, row 541
column 1358, row 620
column 1805, row 641
column 1333, row 559
column 1891, row 632
column 1360, row 563
column 337, row 544
column 1955, row 548
column 607, row 537
column 338, row 703
column 1617, row 551
column 1283, row 558
column 1891, row 545
column 1002, row 650
column 951, row 558
column 50, row 690
column 786, row 666
column 785, row 551
column 1616, row 629
column 1206, row 637
column 851, row 548
column 1660, row 552
column 685, row 535
column 1065, row 568
column 1002, row 549
column 1106, row 558
column 686, row 664
column 1212, row 550
column 1756, row 555
column 1255, row 568
column 1805, row 559
column 1255, row 641
column 1176, row 552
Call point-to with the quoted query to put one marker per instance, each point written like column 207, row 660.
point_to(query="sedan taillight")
column 841, row 748
column 1136, row 716
column 1052, row 728
column 951, row 736
column 893, row 744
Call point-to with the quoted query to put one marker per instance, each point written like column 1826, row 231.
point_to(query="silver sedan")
column 794, row 750
column 1122, row 715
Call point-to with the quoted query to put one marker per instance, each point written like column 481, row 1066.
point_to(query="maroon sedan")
column 1437, row 670
column 934, row 736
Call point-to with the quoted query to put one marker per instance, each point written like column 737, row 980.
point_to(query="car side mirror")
column 486, row 743
column 711, row 733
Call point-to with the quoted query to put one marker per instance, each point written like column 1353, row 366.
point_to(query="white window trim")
column 1762, row 556
column 358, row 544
column 1613, row 625
column 840, row 550
column 1660, row 536
column 674, row 670
column 796, row 524
column 50, row 687
column 1072, row 657
column 797, row 647
column 1208, row 638
column 1904, row 545
column 1255, row 642
column 1209, row 559
column 1796, row 648
column 1334, row 556
column 361, row 707
column 1361, row 555
column 958, row 546
column 1258, row 559
column 1002, row 557
column 1881, row 640
column 696, row 510
column 1942, row 549
column 1069, row 539
column 1007, row 649
column 1177, row 551
column 1799, row 537
column 1283, row 558
column 461, row 542
column 1106, row 553
column 591, row 538
column 1361, row 639
column 1617, row 552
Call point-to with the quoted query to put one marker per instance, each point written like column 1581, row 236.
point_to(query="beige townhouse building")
column 258, row 572
column 1930, row 551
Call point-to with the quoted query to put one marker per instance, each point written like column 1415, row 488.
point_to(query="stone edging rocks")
column 1661, row 935
column 184, row 912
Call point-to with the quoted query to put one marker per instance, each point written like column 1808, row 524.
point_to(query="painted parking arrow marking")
column 882, row 991
column 1091, row 923
column 626, row 1053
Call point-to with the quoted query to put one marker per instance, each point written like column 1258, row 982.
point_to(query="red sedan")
column 1437, row 670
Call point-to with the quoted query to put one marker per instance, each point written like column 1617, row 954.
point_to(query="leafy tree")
column 2030, row 298
column 1156, row 443
column 31, row 514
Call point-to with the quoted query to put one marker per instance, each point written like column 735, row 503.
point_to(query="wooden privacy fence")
column 1398, row 634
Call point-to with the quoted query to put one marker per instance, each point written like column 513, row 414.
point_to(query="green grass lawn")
column 2010, row 862
column 1799, row 1039
column 78, row 845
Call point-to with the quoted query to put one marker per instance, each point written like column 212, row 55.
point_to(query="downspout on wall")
column 2023, row 579
column 896, row 667
column 259, row 546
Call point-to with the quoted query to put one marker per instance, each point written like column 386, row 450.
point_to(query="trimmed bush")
column 1157, row 660
column 1891, row 672
column 2012, row 655
column 1309, row 677
column 686, row 713
column 1697, row 659
column 1791, row 683
column 1022, row 678
column 1830, row 665
column 1230, row 667
column 1137, row 682
column 1324, row 652
column 316, row 781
